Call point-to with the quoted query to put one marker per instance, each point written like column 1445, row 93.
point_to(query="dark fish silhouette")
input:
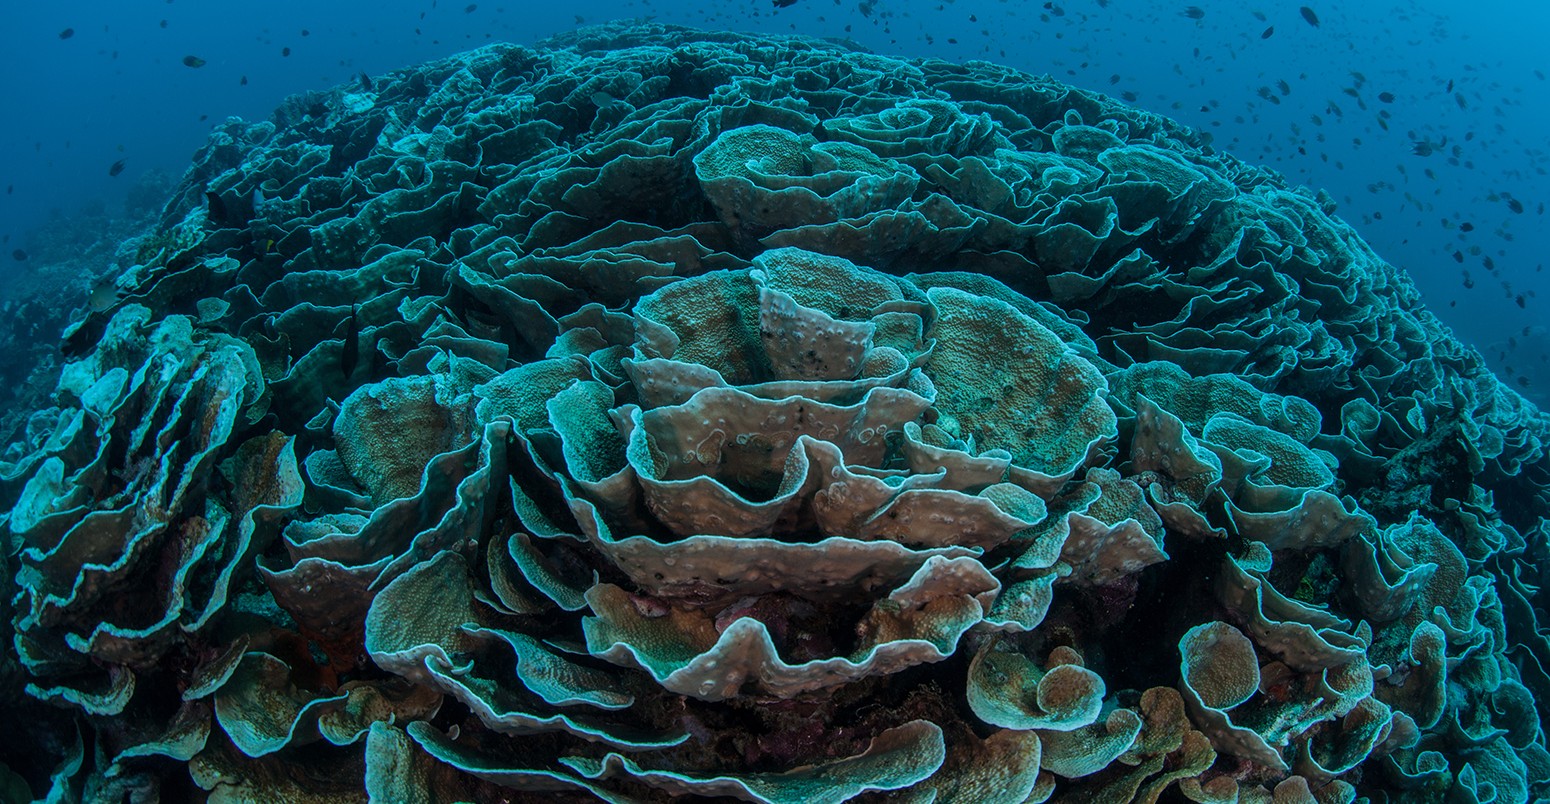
column 785, row 3
column 1307, row 14
column 19, row 255
column 67, row 33
column 244, row 81
column 365, row 81
column 215, row 209
column 1268, row 32
column 1515, row 205
column 1193, row 12
column 1386, row 97
column 471, row 8
column 193, row 61
column 349, row 355
column 285, row 51
column 116, row 168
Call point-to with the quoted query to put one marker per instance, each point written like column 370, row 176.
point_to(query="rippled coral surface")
column 656, row 413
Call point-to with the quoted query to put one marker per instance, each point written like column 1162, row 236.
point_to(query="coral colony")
column 658, row 414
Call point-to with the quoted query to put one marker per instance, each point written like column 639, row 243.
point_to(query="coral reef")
column 656, row 413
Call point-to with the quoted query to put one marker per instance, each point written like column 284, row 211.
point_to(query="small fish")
column 215, row 209
column 67, row 33
column 104, row 293
column 471, row 8
column 1515, row 205
column 1386, row 97
column 1466, row 227
column 244, row 81
column 285, row 51
column 1268, row 32
column 1193, row 12
column 19, row 255
column 784, row 3
column 193, row 61
column 1522, row 304
column 349, row 354
column 1307, row 14
column 365, row 81
column 116, row 168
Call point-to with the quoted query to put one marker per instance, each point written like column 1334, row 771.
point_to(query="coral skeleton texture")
column 658, row 414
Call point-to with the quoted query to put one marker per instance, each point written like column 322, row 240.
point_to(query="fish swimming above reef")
column 104, row 293
column 19, row 255
column 116, row 168
column 193, row 61
column 215, row 210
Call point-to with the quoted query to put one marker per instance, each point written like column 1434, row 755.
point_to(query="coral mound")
column 656, row 414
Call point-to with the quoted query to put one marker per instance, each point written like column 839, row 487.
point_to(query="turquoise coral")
column 798, row 424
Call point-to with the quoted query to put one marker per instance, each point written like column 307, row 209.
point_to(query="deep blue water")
column 1309, row 101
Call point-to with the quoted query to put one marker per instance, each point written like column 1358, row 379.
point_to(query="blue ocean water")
column 1425, row 120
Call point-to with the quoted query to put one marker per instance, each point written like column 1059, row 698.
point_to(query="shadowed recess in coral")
column 656, row 414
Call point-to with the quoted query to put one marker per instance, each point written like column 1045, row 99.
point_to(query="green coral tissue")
column 655, row 414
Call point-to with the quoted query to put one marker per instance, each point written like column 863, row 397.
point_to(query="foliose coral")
column 656, row 413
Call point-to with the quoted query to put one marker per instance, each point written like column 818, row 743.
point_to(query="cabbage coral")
column 660, row 414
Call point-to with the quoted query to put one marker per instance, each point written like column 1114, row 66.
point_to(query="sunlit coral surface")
column 656, row 413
